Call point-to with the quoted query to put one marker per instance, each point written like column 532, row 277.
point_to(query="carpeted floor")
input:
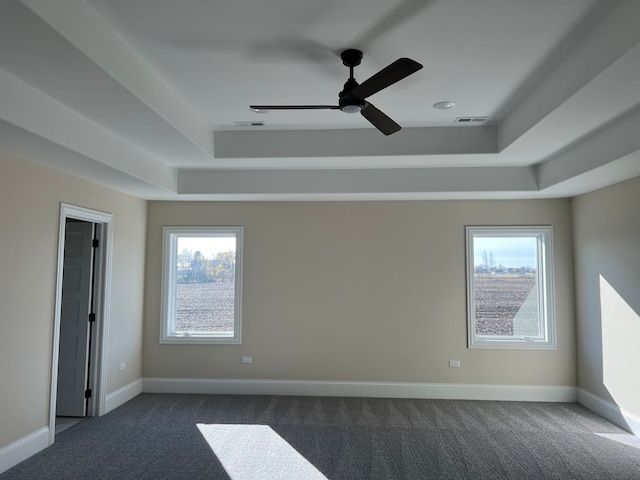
column 158, row 436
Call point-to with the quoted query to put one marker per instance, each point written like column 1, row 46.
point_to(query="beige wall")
column 30, row 197
column 607, row 257
column 369, row 291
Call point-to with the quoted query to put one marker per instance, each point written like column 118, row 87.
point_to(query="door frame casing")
column 102, row 295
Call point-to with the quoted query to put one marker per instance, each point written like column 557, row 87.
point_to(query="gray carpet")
column 158, row 436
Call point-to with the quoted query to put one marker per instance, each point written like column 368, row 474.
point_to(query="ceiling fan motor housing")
column 348, row 102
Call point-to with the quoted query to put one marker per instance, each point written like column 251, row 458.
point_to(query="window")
column 510, row 287
column 201, row 285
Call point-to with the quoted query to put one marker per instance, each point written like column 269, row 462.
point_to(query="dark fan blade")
column 266, row 108
column 401, row 68
column 379, row 119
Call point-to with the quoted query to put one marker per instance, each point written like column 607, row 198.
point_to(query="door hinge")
column 87, row 393
column 95, row 243
column 92, row 317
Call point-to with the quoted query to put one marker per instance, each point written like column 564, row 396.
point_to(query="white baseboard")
column 13, row 454
column 361, row 389
column 610, row 411
column 122, row 395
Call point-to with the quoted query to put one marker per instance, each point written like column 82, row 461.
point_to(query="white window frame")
column 547, row 325
column 169, row 286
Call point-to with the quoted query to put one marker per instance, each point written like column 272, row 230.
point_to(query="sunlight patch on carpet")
column 623, row 438
column 249, row 452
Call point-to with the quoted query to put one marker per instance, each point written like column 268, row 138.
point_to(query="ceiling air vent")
column 249, row 124
column 471, row 120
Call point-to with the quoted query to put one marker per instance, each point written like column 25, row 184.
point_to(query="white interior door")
column 74, row 320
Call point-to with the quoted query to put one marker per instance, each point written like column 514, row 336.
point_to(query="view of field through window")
column 506, row 286
column 205, row 295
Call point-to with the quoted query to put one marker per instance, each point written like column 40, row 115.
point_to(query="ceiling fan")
column 352, row 97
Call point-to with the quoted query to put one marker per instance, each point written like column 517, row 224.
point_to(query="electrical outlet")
column 123, row 365
column 247, row 359
column 454, row 363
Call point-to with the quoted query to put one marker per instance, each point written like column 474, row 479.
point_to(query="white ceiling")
column 144, row 95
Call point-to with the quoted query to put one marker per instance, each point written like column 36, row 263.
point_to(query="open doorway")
column 78, row 376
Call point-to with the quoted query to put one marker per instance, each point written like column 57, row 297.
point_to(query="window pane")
column 510, row 287
column 202, row 285
column 205, row 308
column 205, row 290
column 506, row 286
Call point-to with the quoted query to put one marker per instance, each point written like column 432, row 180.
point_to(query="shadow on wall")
column 620, row 326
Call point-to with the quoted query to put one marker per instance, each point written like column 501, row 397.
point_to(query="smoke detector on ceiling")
column 444, row 105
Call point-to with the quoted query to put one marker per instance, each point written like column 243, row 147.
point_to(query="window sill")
column 512, row 343
column 200, row 339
